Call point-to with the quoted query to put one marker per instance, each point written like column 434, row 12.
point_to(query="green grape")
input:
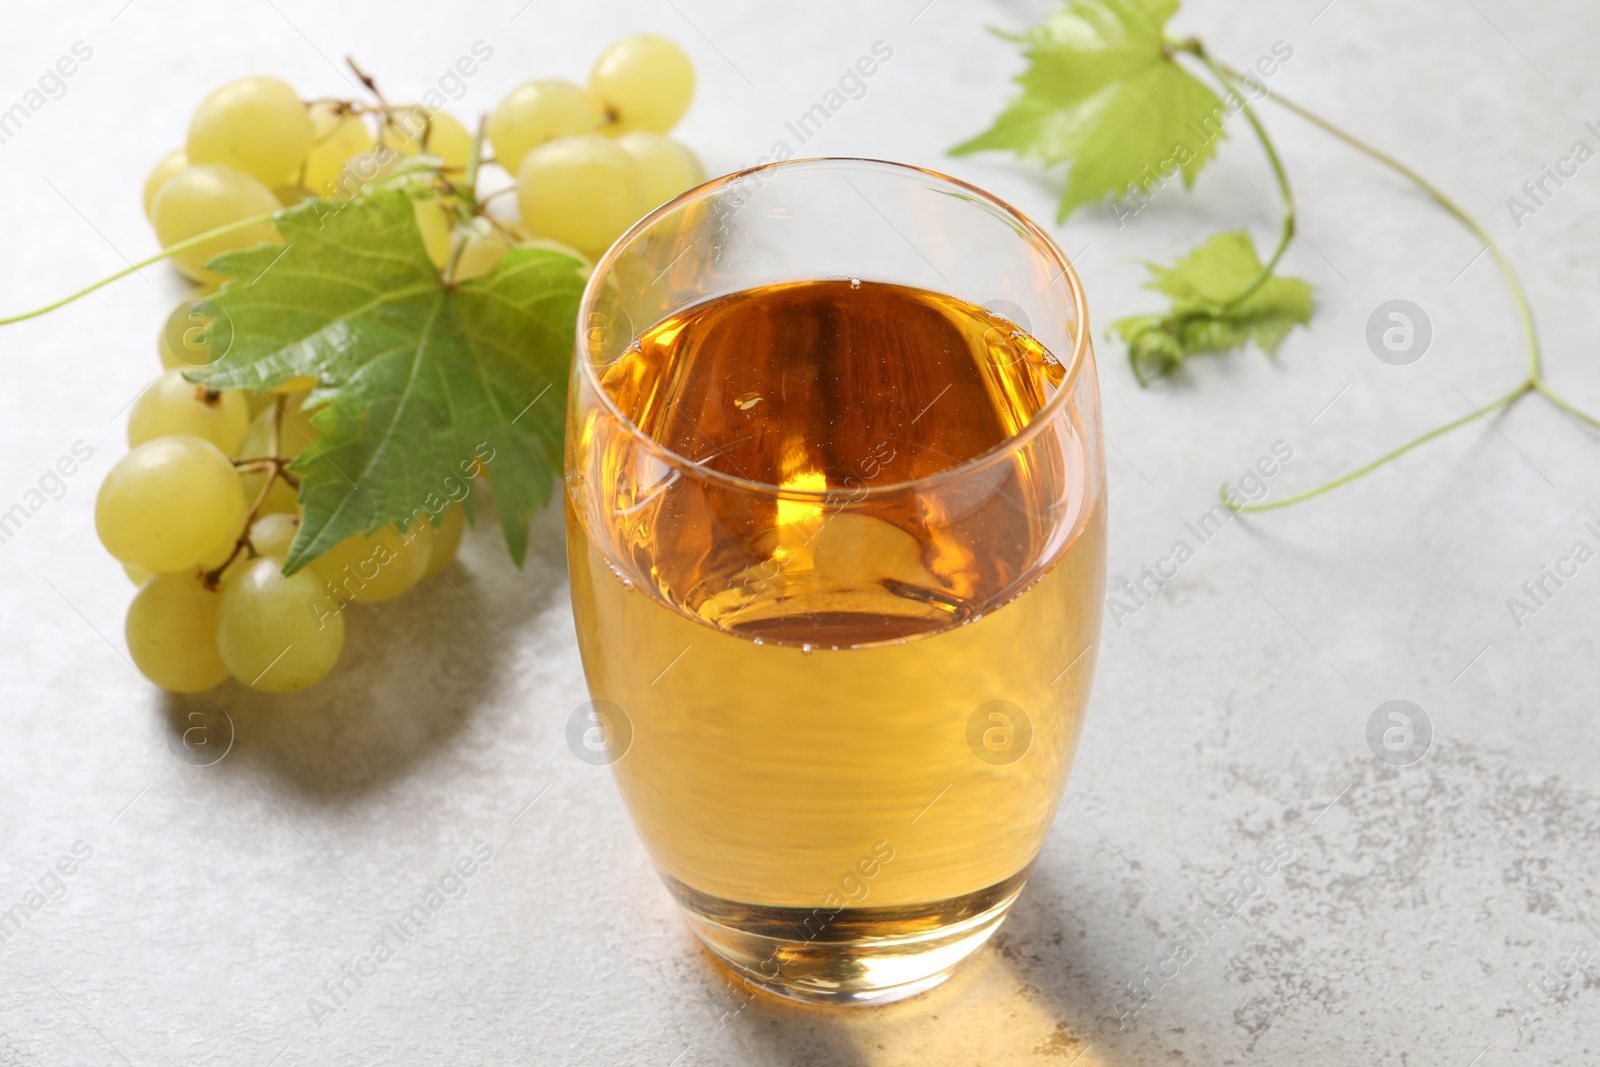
column 275, row 633
column 171, row 405
column 378, row 566
column 547, row 245
column 337, row 137
column 666, row 167
column 172, row 634
column 136, row 575
column 536, row 112
column 300, row 384
column 582, row 191
column 481, row 247
column 197, row 333
column 643, row 82
column 168, row 503
column 439, row 134
column 170, row 164
column 386, row 165
column 295, row 432
column 433, row 222
column 446, row 539
column 403, row 130
column 169, row 360
column 449, row 140
column 225, row 552
column 271, row 535
column 368, row 169
column 201, row 198
column 255, row 125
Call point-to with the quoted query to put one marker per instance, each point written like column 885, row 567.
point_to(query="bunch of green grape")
column 587, row 162
column 201, row 514
column 203, row 509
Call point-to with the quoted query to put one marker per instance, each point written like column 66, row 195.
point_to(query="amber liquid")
column 802, row 674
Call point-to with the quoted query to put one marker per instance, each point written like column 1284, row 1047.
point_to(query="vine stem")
column 1225, row 78
column 1534, row 382
column 1519, row 296
column 1438, row 431
column 181, row 246
column 469, row 197
column 1551, row 395
column 1171, row 323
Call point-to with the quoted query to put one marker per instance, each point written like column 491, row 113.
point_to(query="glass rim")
column 859, row 493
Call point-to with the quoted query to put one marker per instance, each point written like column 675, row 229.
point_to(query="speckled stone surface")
column 1441, row 913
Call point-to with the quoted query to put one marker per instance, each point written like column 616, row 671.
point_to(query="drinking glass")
column 836, row 532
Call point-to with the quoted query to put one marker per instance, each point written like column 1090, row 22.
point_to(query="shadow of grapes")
column 414, row 673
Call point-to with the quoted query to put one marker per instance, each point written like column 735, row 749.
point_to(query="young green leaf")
column 417, row 378
column 1208, row 314
column 1103, row 94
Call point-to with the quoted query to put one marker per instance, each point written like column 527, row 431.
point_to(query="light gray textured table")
column 1421, row 904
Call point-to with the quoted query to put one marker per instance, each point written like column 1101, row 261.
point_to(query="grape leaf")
column 1103, row 94
column 1205, row 315
column 416, row 378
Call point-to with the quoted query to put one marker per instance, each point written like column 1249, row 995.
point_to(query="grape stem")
column 356, row 107
column 1172, row 324
column 458, row 246
column 366, row 80
column 171, row 250
column 1533, row 382
column 1438, row 431
column 468, row 197
column 1286, row 235
column 268, row 463
column 475, row 158
column 388, row 110
column 273, row 465
column 383, row 107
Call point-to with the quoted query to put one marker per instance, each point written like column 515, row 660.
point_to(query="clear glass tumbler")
column 836, row 527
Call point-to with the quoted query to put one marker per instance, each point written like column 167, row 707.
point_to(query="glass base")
column 852, row 956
